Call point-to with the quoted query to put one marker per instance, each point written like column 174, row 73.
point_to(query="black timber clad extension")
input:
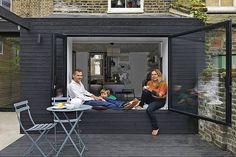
column 36, row 58
column 8, row 28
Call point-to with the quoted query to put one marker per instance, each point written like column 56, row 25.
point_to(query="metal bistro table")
column 64, row 111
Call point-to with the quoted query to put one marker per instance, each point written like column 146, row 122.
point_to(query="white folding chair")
column 42, row 128
column 56, row 100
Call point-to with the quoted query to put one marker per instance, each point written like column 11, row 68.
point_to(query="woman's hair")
column 157, row 71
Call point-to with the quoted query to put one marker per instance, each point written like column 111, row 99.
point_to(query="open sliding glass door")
column 59, row 64
column 200, row 73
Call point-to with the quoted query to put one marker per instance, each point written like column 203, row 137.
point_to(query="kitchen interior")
column 121, row 67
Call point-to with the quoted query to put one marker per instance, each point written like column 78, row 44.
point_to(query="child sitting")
column 105, row 93
column 106, row 96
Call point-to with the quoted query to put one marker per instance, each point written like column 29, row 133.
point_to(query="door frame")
column 120, row 38
column 56, row 36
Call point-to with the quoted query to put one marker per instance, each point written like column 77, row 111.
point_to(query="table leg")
column 75, row 130
column 68, row 135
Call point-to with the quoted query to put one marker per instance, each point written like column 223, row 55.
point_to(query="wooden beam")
column 11, row 17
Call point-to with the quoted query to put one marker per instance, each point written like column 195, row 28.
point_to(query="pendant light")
column 119, row 3
column 112, row 62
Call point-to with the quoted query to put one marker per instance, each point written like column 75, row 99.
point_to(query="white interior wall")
column 69, row 60
column 138, row 71
column 82, row 63
column 164, row 54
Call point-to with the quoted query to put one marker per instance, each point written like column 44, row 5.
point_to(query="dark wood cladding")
column 36, row 54
column 114, row 25
column 7, row 27
column 136, row 122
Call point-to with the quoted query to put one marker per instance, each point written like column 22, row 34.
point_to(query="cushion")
column 99, row 107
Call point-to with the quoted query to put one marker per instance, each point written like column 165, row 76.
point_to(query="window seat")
column 135, row 122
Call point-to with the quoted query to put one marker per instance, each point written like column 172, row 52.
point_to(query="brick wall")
column 214, row 18
column 9, row 76
column 80, row 6
column 222, row 136
column 156, row 6
column 40, row 8
column 32, row 8
column 100, row 6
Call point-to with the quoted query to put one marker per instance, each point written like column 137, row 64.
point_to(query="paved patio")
column 131, row 145
column 9, row 129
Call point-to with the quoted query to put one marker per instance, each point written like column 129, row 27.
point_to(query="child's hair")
column 105, row 91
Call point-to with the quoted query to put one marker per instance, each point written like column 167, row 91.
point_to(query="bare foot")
column 155, row 132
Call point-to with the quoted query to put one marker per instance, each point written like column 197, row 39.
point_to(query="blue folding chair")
column 42, row 128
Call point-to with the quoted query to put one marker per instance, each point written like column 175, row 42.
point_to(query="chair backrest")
column 21, row 107
column 59, row 99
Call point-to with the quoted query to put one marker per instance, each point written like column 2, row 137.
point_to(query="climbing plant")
column 197, row 8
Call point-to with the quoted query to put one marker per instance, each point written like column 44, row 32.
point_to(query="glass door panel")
column 200, row 65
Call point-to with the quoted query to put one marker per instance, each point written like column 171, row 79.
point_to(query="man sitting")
column 76, row 90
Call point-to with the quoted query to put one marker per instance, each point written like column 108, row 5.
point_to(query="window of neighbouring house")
column 125, row 6
column 221, row 5
column 220, row 61
column 6, row 4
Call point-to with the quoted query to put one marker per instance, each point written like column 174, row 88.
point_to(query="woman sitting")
column 154, row 94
